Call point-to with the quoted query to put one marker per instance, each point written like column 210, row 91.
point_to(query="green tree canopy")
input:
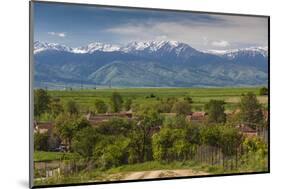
column 71, row 107
column 100, row 106
column 251, row 111
column 128, row 104
column 84, row 140
column 215, row 110
column 41, row 102
column 181, row 108
column 116, row 102
column 264, row 91
column 41, row 141
column 67, row 125
column 56, row 107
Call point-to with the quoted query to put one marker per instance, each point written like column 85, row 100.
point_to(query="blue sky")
column 77, row 25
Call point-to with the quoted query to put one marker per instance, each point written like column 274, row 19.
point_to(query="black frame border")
column 31, row 35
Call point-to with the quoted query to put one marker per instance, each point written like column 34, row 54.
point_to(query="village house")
column 95, row 119
column 197, row 117
column 43, row 127
column 247, row 131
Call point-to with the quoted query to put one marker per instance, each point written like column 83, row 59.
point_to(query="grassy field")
column 86, row 98
column 50, row 156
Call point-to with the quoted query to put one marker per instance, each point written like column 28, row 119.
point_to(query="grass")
column 118, row 172
column 51, row 156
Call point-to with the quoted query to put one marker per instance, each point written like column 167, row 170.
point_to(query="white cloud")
column 58, row 34
column 233, row 32
column 221, row 43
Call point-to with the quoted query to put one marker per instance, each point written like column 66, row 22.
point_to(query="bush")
column 111, row 152
column 215, row 109
column 84, row 141
column 41, row 141
column 263, row 91
column 171, row 145
column 100, row 106
column 181, row 108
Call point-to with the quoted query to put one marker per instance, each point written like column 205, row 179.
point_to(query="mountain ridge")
column 144, row 64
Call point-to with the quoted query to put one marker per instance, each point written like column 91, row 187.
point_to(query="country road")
column 160, row 174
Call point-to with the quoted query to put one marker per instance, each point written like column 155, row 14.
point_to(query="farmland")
column 86, row 98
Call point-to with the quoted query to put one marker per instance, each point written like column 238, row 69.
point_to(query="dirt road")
column 160, row 174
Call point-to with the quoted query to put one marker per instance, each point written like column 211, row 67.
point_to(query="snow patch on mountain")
column 96, row 46
column 43, row 46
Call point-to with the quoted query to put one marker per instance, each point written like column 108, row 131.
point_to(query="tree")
column 111, row 151
column 263, row 91
column 128, row 104
column 56, row 107
column 189, row 99
column 251, row 111
column 84, row 140
column 41, row 141
column 41, row 102
column 100, row 106
column 149, row 120
column 116, row 102
column 181, row 108
column 171, row 144
column 115, row 126
column 68, row 125
column 230, row 140
column 215, row 110
column 71, row 107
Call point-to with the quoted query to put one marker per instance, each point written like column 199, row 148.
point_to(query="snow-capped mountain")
column 151, row 46
column 43, row 46
column 148, row 64
column 251, row 52
column 96, row 46
column 231, row 54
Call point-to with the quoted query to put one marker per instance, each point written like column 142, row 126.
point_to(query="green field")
column 51, row 156
column 200, row 96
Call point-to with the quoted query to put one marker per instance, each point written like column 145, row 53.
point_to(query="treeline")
column 47, row 108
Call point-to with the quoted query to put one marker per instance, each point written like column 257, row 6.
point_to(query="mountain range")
column 147, row 64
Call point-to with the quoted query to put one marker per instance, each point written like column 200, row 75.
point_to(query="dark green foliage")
column 111, row 151
column 116, row 102
column 263, row 91
column 84, row 141
column 56, row 107
column 175, row 122
column 251, row 111
column 41, row 102
column 128, row 104
column 211, row 136
column 230, row 140
column 53, row 141
column 188, row 99
column 172, row 144
column 149, row 121
column 71, row 107
column 100, row 106
column 135, row 148
column 41, row 141
column 215, row 110
column 67, row 126
column 115, row 126
column 181, row 108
